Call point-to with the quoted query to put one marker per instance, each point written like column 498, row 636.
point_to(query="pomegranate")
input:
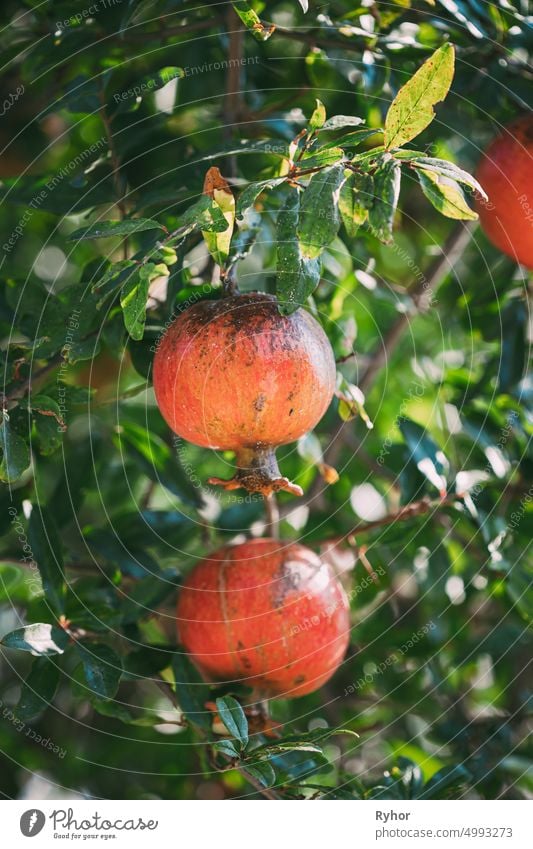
column 269, row 614
column 235, row 374
column 506, row 174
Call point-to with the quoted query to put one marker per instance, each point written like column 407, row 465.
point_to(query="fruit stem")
column 258, row 471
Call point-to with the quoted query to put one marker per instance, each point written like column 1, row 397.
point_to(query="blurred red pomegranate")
column 506, row 174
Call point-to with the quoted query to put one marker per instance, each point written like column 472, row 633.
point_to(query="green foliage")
column 348, row 139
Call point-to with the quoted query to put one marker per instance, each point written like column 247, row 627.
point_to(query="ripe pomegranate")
column 268, row 614
column 506, row 174
column 235, row 374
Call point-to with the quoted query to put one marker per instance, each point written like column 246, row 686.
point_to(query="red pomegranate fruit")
column 268, row 614
column 236, row 374
column 506, row 174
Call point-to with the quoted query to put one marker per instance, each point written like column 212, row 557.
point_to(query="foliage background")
column 116, row 509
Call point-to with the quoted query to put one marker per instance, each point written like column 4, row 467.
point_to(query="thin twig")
column 272, row 514
column 233, row 97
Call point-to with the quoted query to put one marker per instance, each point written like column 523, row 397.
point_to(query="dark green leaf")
column 355, row 199
column 47, row 553
column 157, row 461
column 192, row 691
column 513, row 352
column 49, row 423
column 102, row 668
column 262, row 772
column 15, row 452
column 249, row 195
column 40, row 639
column 204, row 215
column 103, row 229
column 227, row 748
column 321, row 158
column 134, row 295
column 386, row 193
column 297, row 276
column 444, row 782
column 318, row 219
column 38, row 689
column 234, row 718
column 429, row 458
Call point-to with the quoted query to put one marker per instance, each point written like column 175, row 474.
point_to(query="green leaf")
column 38, row 690
column 103, row 229
column 412, row 111
column 519, row 586
column 429, row 458
column 450, row 170
column 147, row 662
column 250, row 19
column 191, row 690
column 514, row 345
column 47, row 552
column 102, row 669
column 262, row 772
column 234, row 718
column 131, row 559
column 297, row 275
column 157, row 461
column 386, row 193
column 338, row 122
column 355, row 199
column 227, row 748
column 318, row 219
column 446, row 195
column 40, row 639
column 249, row 195
column 318, row 117
column 134, row 296
column 205, row 215
column 11, row 578
column 445, row 782
column 49, row 423
column 15, row 452
column 114, row 276
column 327, row 155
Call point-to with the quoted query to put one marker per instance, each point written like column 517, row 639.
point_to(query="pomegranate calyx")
column 258, row 471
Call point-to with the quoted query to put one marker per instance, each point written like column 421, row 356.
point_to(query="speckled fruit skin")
column 268, row 614
column 506, row 174
column 235, row 374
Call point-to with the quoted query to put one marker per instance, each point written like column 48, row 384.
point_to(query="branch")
column 315, row 40
column 419, row 290
column 415, row 508
column 451, row 252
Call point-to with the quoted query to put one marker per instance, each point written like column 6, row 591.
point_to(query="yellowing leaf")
column 217, row 188
column 412, row 109
column 446, row 195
